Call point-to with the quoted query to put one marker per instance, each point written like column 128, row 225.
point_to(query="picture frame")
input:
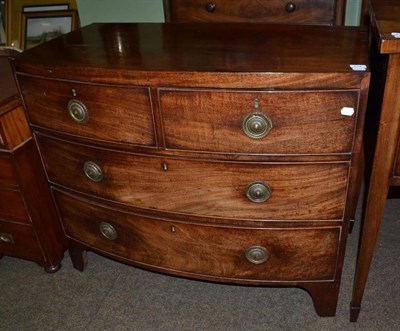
column 50, row 7
column 14, row 17
column 39, row 27
column 3, row 22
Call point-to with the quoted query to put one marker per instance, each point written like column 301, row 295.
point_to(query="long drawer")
column 299, row 11
column 264, row 254
column 19, row 240
column 269, row 122
column 242, row 190
column 104, row 112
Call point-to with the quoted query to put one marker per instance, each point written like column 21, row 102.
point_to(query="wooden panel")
column 8, row 176
column 24, row 243
column 119, row 114
column 15, row 127
column 12, row 206
column 218, row 189
column 294, row 254
column 276, row 11
column 302, row 122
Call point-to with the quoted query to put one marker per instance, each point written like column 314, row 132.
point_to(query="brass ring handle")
column 78, row 111
column 258, row 192
column 93, row 171
column 210, row 7
column 108, row 231
column 6, row 238
column 256, row 126
column 290, row 7
column 257, row 254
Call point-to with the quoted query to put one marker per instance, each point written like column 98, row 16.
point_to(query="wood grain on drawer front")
column 302, row 122
column 19, row 240
column 8, row 177
column 115, row 113
column 304, row 11
column 299, row 191
column 12, row 206
column 294, row 253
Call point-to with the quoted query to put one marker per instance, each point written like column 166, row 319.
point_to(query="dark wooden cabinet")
column 29, row 224
column 217, row 152
column 317, row 12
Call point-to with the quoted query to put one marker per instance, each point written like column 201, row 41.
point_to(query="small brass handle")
column 210, row 7
column 258, row 192
column 6, row 238
column 93, row 171
column 256, row 126
column 290, row 7
column 78, row 111
column 108, row 231
column 257, row 254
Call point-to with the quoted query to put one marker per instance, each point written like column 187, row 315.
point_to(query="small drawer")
column 269, row 122
column 12, row 206
column 19, row 240
column 241, row 190
column 278, row 11
column 113, row 113
column 8, row 176
column 262, row 254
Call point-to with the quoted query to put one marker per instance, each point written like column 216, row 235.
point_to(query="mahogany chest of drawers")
column 29, row 225
column 317, row 12
column 218, row 152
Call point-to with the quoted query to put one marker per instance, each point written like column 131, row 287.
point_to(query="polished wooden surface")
column 315, row 126
column 174, row 186
column 218, row 190
column 167, row 54
column 14, row 128
column 143, row 240
column 385, row 20
column 317, row 12
column 47, row 102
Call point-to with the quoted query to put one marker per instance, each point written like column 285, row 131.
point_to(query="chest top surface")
column 214, row 48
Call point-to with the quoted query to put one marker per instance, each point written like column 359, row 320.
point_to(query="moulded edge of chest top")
column 239, row 80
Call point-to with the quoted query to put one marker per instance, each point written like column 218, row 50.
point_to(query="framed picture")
column 14, row 18
column 39, row 27
column 3, row 22
column 31, row 8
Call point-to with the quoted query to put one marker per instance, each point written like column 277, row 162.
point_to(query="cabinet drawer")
column 300, row 11
column 12, row 206
column 19, row 240
column 104, row 112
column 8, row 177
column 299, row 122
column 291, row 253
column 209, row 188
